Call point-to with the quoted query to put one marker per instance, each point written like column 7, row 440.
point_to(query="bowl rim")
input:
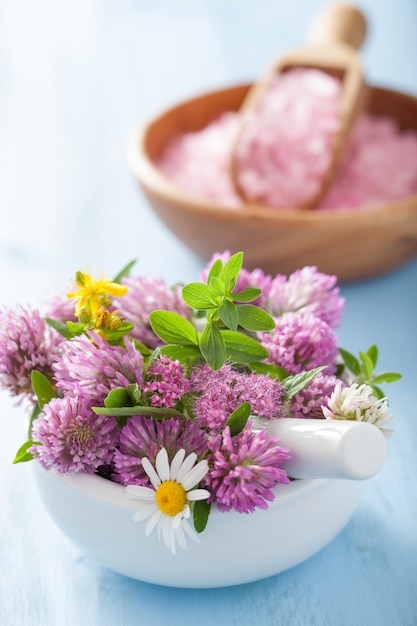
column 103, row 490
column 155, row 182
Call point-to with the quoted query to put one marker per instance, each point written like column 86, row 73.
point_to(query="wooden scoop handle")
column 334, row 37
column 339, row 23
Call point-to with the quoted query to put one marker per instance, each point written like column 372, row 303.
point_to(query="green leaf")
column 60, row 327
column 216, row 286
column 123, row 396
column 171, row 327
column 238, row 419
column 386, row 377
column 35, row 414
column 127, row 411
column 124, row 272
column 201, row 512
column 228, row 314
column 294, row 384
column 247, row 295
column 274, row 371
column 367, row 365
column 230, row 271
column 378, row 393
column 212, row 346
column 183, row 354
column 215, row 269
column 76, row 329
column 372, row 352
column 254, row 318
column 42, row 388
column 351, row 361
column 199, row 296
column 22, row 455
column 140, row 347
column 241, row 348
column 114, row 337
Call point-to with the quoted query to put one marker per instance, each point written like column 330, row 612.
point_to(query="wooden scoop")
column 334, row 37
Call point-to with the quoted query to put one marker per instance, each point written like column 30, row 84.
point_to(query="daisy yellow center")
column 171, row 497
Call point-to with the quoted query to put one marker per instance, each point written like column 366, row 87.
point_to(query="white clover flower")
column 166, row 503
column 358, row 403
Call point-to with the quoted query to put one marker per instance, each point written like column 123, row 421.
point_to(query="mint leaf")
column 238, row 419
column 216, row 286
column 22, row 455
column 60, row 327
column 215, row 270
column 212, row 346
column 171, row 327
column 228, row 314
column 377, row 392
column 274, row 371
column 247, row 295
column 367, row 365
column 114, row 337
column 123, row 396
column 241, row 348
column 351, row 361
column 230, row 271
column 199, row 296
column 183, row 354
column 386, row 377
column 42, row 388
column 76, row 329
column 201, row 512
column 253, row 318
column 124, row 272
column 294, row 384
column 372, row 352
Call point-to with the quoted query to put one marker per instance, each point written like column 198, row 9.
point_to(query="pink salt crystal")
column 379, row 165
column 199, row 162
column 286, row 147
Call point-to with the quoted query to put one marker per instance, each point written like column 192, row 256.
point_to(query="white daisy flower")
column 357, row 402
column 167, row 503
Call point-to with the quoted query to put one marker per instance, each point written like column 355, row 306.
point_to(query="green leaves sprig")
column 230, row 318
column 364, row 367
column 44, row 393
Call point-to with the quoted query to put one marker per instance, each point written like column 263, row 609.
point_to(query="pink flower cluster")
column 177, row 405
column 26, row 343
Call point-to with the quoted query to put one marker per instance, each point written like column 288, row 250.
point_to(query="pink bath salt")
column 285, row 149
column 199, row 162
column 379, row 166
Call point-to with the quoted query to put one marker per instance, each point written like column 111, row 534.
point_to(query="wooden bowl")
column 350, row 244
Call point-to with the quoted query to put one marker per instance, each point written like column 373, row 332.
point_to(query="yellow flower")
column 93, row 294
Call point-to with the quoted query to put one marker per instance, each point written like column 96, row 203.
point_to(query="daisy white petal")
column 145, row 512
column 198, row 494
column 153, row 521
column 190, row 532
column 180, row 537
column 186, row 466
column 195, row 475
column 140, row 492
column 147, row 466
column 176, row 463
column 166, row 504
column 162, row 464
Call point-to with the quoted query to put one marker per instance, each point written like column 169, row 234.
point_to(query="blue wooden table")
column 75, row 77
